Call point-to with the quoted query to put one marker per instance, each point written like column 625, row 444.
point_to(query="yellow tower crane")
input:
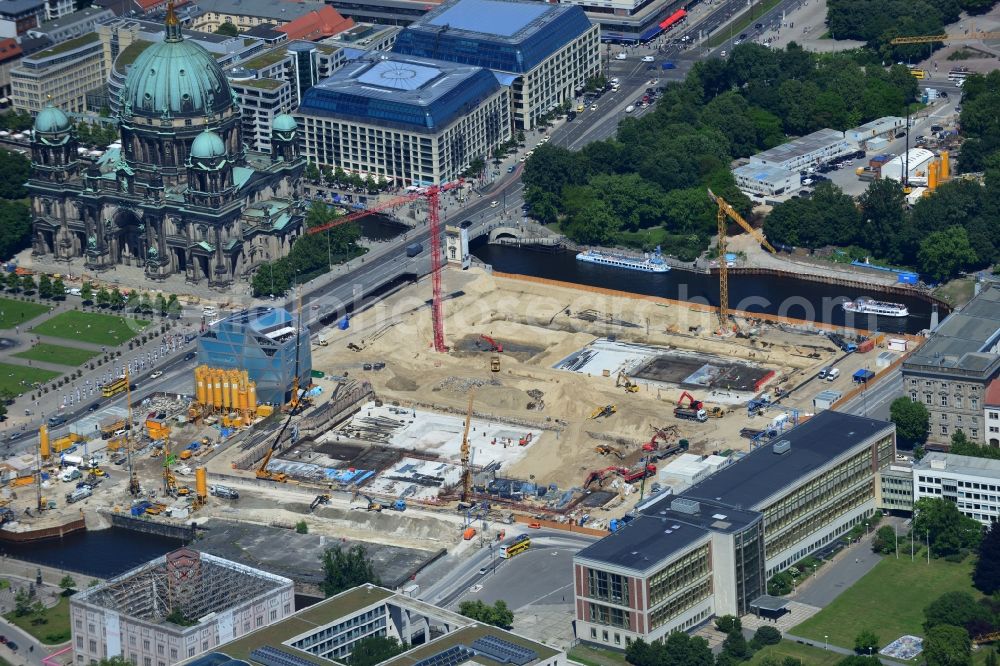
column 727, row 211
column 466, row 450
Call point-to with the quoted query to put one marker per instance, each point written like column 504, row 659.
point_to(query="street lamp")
column 826, row 642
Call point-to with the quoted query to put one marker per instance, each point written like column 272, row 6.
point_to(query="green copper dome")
column 208, row 145
column 51, row 120
column 284, row 123
column 175, row 78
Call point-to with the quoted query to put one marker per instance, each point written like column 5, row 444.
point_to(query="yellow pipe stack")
column 945, row 172
column 201, row 483
column 43, row 442
column 932, row 176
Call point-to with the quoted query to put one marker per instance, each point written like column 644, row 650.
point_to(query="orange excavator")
column 492, row 344
column 692, row 403
column 660, row 435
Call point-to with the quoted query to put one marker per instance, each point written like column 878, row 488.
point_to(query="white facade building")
column 881, row 128
column 973, row 484
column 916, row 163
column 767, row 180
column 806, row 151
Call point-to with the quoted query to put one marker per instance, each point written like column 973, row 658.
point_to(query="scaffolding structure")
column 184, row 582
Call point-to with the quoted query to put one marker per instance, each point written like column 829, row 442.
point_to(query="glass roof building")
column 409, row 120
column 261, row 341
column 543, row 51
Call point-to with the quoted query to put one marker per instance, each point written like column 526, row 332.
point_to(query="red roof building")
column 992, row 398
column 317, row 25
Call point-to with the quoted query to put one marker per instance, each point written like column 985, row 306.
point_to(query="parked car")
column 824, row 372
column 155, row 374
column 190, row 355
column 12, row 645
column 648, row 58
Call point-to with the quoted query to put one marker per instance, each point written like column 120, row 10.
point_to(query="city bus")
column 120, row 385
column 520, row 544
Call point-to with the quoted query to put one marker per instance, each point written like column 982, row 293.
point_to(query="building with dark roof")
column 384, row 12
column 325, row 634
column 544, row 52
column 10, row 56
column 632, row 21
column 412, row 121
column 245, row 14
column 19, row 16
column 950, row 372
column 711, row 549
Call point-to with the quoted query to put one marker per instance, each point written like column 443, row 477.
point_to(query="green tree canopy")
column 986, row 576
column 15, row 227
column 344, row 569
column 228, row 29
column 866, row 642
column 373, row 650
column 912, row 421
column 950, row 532
column 944, row 253
column 947, row 645
column 498, row 614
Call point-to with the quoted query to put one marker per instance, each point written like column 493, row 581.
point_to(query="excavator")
column 665, row 435
column 491, row 344
column 373, row 505
column 624, row 381
column 600, row 476
column 692, row 403
column 263, row 472
column 319, row 499
column 604, row 450
column 718, row 412
column 606, row 410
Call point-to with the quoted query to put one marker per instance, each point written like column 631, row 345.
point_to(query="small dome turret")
column 208, row 145
column 51, row 120
column 284, row 123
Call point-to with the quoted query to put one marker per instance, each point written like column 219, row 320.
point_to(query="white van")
column 630, row 108
column 833, row 374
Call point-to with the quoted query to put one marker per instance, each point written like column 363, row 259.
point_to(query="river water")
column 101, row 553
column 784, row 296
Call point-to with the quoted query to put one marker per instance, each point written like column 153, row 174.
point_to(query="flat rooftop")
column 418, row 94
column 967, row 340
column 804, row 145
column 502, row 35
column 936, row 461
column 763, row 473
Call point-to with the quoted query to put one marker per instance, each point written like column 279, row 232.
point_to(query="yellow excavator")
column 623, row 381
column 606, row 410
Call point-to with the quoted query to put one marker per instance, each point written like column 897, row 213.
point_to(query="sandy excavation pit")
column 540, row 319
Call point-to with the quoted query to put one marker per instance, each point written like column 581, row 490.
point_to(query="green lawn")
column 807, row 654
column 14, row 313
column 50, row 627
column 889, row 600
column 58, row 354
column 99, row 329
column 592, row 656
column 742, row 22
column 12, row 376
column 957, row 292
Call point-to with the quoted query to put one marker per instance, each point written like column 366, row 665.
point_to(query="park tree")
column 986, row 575
column 781, row 583
column 13, row 282
column 227, row 29
column 885, row 540
column 3, row 411
column 947, row 645
column 103, row 297
column 373, row 650
column 344, row 569
column 173, row 306
column 726, row 623
column 944, row 253
column 958, row 609
column 58, row 289
column 45, row 286
column 133, row 301
column 28, row 285
column 145, row 304
column 14, row 171
column 15, row 227
column 117, row 299
column 22, row 603
column 87, row 293
column 949, row 531
column 765, row 635
column 497, row 615
column 678, row 649
column 991, row 657
column 161, row 305
column 882, row 218
column 312, row 172
column 735, row 645
column 866, row 642
column 68, row 585
column 912, row 421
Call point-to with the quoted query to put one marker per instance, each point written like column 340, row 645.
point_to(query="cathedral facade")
column 183, row 195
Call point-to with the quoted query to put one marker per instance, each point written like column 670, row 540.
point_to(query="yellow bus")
column 120, row 385
column 521, row 544
column 918, row 74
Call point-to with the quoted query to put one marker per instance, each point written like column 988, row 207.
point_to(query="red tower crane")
column 432, row 194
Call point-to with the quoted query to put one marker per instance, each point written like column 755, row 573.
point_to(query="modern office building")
column 543, row 52
column 325, row 634
column 72, row 25
column 950, row 372
column 61, row 75
column 991, row 413
column 384, row 12
column 10, row 57
column 806, row 151
column 261, row 101
column 767, row 180
column 365, row 38
column 181, row 195
column 634, row 21
column 266, row 343
column 711, row 549
column 973, row 484
column 409, row 120
column 245, row 14
column 175, row 607
column 880, row 128
column 19, row 16
column 895, row 489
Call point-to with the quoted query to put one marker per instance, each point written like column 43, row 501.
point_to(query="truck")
column 631, row 476
column 79, row 494
column 691, row 414
column 413, row 249
column 70, row 474
column 225, row 492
